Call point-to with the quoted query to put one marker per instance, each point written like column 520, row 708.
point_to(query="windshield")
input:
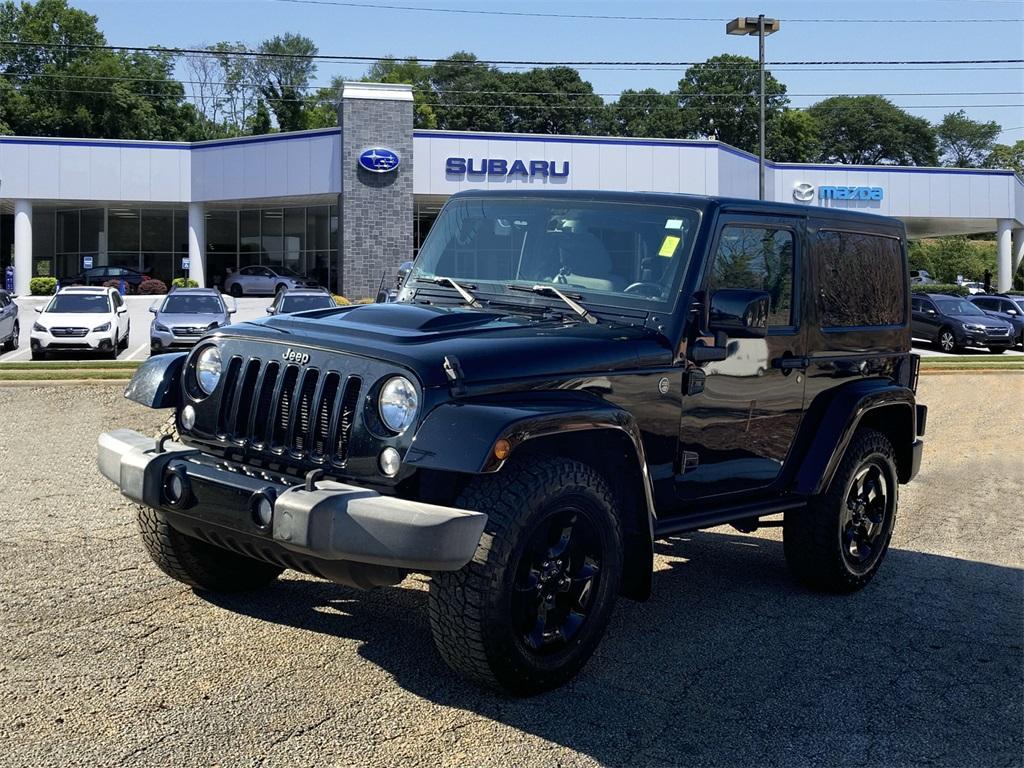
column 627, row 254
column 957, row 307
column 286, row 272
column 79, row 304
column 303, row 303
column 192, row 305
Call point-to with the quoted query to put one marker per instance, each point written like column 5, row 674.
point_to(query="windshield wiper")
column 468, row 297
column 552, row 291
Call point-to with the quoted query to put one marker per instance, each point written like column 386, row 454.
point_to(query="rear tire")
column 838, row 541
column 529, row 609
column 281, row 288
column 200, row 565
column 12, row 343
column 236, row 290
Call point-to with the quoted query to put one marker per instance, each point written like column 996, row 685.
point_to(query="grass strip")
column 65, row 375
column 78, row 365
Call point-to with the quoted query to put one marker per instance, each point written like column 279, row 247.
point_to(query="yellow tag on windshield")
column 669, row 245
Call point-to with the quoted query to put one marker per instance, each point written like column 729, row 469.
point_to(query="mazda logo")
column 803, row 192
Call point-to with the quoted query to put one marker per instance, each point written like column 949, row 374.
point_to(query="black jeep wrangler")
column 565, row 378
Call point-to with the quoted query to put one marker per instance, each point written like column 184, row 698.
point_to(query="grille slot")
column 285, row 400
column 227, row 400
column 238, row 426
column 325, row 409
column 262, row 414
column 304, row 411
column 346, row 416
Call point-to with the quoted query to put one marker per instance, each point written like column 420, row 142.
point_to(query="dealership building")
column 349, row 204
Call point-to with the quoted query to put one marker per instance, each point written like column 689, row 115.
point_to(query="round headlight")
column 398, row 402
column 208, row 369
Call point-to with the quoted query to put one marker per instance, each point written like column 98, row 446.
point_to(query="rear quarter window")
column 861, row 280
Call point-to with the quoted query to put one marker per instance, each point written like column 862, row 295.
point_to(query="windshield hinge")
column 453, row 370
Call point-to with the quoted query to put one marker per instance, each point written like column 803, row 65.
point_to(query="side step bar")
column 723, row 516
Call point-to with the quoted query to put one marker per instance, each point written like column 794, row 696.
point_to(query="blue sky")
column 364, row 31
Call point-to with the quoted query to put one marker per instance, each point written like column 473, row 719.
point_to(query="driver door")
column 735, row 435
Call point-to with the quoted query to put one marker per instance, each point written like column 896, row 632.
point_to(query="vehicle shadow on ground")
column 731, row 663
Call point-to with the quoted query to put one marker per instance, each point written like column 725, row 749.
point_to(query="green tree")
column 62, row 89
column 392, row 70
column 284, row 72
column 470, row 96
column 1007, row 156
column 965, row 143
column 794, row 136
column 259, row 123
column 720, row 99
column 872, row 130
column 553, row 100
column 946, row 258
column 647, row 113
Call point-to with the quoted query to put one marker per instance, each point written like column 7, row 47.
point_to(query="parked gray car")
column 265, row 280
column 184, row 316
column 9, row 329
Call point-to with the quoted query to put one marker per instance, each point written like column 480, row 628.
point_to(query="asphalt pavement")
column 108, row 662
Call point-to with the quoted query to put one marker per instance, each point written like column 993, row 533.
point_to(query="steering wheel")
column 648, row 290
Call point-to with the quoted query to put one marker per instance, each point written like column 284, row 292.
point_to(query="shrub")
column 152, row 287
column 364, row 300
column 184, row 282
column 42, row 286
column 112, row 284
column 948, row 288
column 341, row 301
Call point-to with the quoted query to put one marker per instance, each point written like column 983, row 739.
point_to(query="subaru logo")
column 291, row 356
column 379, row 159
column 803, row 192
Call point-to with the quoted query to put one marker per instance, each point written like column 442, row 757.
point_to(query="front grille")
column 69, row 332
column 185, row 330
column 998, row 331
column 297, row 413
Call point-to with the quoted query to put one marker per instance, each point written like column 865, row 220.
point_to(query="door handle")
column 790, row 363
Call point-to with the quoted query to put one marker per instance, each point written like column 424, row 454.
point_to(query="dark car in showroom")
column 1009, row 309
column 565, row 379
column 953, row 323
column 103, row 275
column 292, row 300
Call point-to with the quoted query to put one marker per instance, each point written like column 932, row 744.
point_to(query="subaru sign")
column 501, row 168
column 804, row 193
column 379, row 159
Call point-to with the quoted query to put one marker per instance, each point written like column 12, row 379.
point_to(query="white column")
column 1004, row 278
column 1017, row 249
column 22, row 246
column 197, row 243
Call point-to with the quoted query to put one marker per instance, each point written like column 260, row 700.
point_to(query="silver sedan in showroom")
column 266, row 280
column 184, row 316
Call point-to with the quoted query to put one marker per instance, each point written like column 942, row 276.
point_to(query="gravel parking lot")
column 108, row 662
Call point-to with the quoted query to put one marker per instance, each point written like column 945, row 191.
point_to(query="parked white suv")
column 86, row 319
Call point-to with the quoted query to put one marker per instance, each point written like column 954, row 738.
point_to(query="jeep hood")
column 490, row 345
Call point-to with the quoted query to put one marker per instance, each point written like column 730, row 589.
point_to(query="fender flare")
column 834, row 422
column 460, row 436
column 156, row 383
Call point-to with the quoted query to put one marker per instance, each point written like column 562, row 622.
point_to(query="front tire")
column 997, row 350
column 200, row 565
column 946, row 341
column 39, row 354
column 838, row 541
column 529, row 609
column 12, row 343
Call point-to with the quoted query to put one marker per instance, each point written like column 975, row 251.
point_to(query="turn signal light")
column 502, row 448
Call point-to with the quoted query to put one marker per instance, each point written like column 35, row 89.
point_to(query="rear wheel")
column 198, row 564
column 528, row 611
column 236, row 290
column 12, row 343
column 280, row 288
column 837, row 542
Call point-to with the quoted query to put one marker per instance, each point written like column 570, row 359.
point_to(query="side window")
column 984, row 303
column 916, row 305
column 861, row 280
column 760, row 259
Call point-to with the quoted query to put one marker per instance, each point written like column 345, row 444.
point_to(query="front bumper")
column 160, row 341
column 94, row 340
column 333, row 522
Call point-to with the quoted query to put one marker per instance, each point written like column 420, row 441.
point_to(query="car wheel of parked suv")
column 531, row 606
column 12, row 343
column 947, row 341
column 997, row 350
column 38, row 354
column 198, row 564
column 838, row 540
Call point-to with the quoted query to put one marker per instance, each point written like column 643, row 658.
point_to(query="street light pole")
column 762, row 27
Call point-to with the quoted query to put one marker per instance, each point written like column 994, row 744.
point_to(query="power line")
column 605, row 17
column 341, row 57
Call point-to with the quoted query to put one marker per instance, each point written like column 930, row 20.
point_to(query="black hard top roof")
column 701, row 202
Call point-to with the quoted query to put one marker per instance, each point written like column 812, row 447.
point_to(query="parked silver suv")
column 265, row 280
column 184, row 316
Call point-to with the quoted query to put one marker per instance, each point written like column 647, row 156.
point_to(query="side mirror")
column 152, row 309
column 739, row 313
column 270, row 310
column 931, row 311
column 122, row 310
column 1009, row 311
column 39, row 310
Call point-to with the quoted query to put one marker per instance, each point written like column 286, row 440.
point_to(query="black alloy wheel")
column 556, row 578
column 865, row 516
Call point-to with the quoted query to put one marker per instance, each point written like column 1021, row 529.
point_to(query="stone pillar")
column 1004, row 276
column 1017, row 250
column 375, row 208
column 22, row 246
column 197, row 243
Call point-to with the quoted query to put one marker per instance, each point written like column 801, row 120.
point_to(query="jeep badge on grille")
column 291, row 356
